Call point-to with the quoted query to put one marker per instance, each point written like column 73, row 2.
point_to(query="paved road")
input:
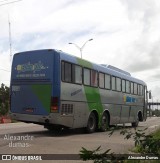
column 41, row 141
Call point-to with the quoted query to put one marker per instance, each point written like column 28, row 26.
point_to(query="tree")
column 4, row 99
column 156, row 112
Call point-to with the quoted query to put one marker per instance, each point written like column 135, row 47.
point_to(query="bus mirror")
column 150, row 95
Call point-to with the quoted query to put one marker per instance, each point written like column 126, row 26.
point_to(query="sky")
column 125, row 33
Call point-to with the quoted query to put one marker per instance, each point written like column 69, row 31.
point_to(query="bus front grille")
column 67, row 109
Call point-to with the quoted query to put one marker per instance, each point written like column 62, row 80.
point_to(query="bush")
column 4, row 100
column 144, row 144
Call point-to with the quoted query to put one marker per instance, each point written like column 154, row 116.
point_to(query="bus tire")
column 139, row 118
column 104, row 122
column 135, row 124
column 91, row 125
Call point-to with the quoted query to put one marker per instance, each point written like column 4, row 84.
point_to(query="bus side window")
column 131, row 88
column 62, row 71
column 135, row 88
column 142, row 90
column 77, row 74
column 101, row 80
column 94, row 79
column 86, row 76
column 127, row 86
column 118, row 84
column 107, row 81
column 145, row 93
column 123, row 85
column 139, row 90
column 66, row 72
column 113, row 83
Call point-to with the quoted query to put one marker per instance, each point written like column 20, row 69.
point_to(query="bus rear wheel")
column 104, row 122
column 139, row 118
column 91, row 125
column 135, row 124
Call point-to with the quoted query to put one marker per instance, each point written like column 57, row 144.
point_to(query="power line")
column 9, row 2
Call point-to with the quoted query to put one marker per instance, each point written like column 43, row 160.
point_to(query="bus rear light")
column 54, row 108
column 54, row 104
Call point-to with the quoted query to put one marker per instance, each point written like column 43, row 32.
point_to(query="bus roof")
column 109, row 69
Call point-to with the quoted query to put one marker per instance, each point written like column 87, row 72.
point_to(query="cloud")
column 125, row 32
column 155, row 93
column 144, row 56
column 5, row 67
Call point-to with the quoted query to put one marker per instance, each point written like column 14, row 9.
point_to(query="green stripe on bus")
column 92, row 94
column 93, row 98
column 43, row 92
column 84, row 63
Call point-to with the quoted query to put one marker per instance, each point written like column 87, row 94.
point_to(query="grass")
column 139, row 149
column 157, row 134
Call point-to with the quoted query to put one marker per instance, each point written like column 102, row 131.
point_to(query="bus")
column 58, row 90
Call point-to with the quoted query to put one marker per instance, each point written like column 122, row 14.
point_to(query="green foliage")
column 4, row 100
column 138, row 135
column 157, row 134
column 145, row 144
column 156, row 112
column 96, row 155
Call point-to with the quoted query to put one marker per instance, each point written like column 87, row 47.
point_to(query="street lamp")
column 82, row 47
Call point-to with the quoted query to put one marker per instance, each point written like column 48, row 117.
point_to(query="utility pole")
column 81, row 48
column 10, row 38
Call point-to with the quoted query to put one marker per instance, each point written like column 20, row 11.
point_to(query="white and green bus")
column 57, row 90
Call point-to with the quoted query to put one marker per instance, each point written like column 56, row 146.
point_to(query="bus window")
column 77, row 74
column 135, row 88
column 113, row 83
column 62, row 67
column 146, row 94
column 140, row 90
column 66, row 72
column 123, row 86
column 94, row 80
column 127, row 86
column 107, row 81
column 131, row 88
column 86, row 76
column 101, row 80
column 118, row 84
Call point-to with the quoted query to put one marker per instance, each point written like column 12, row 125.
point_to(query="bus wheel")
column 104, row 122
column 135, row 124
column 91, row 126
